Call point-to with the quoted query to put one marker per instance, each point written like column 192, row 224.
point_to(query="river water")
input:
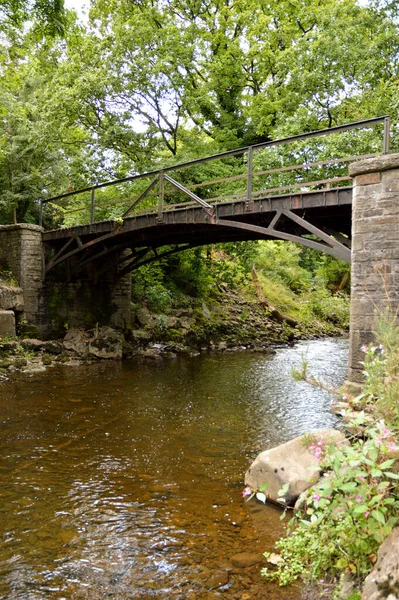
column 124, row 480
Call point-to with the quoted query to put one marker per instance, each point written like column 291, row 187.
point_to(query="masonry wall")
column 90, row 300
column 54, row 304
column 21, row 252
column 375, row 250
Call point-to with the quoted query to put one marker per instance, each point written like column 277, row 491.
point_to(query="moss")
column 47, row 359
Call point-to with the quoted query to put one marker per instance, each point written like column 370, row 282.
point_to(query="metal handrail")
column 249, row 149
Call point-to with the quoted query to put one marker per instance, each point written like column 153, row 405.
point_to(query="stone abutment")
column 375, row 251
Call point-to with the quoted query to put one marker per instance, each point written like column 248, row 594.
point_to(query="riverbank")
column 344, row 537
column 232, row 320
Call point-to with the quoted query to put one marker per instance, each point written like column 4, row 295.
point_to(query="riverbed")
column 124, row 480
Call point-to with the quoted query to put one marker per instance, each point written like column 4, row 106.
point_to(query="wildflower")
column 379, row 441
column 392, row 446
column 316, row 497
column 366, row 514
column 361, row 478
column 358, row 498
column 364, row 348
column 247, row 492
column 385, row 432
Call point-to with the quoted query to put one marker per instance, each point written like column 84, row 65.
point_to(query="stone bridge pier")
column 375, row 251
column 48, row 306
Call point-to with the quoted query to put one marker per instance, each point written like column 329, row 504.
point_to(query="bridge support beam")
column 375, row 251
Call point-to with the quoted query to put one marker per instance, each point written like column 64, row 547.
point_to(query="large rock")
column 383, row 581
column 77, row 340
column 145, row 318
column 11, row 298
column 293, row 463
column 7, row 322
column 108, row 343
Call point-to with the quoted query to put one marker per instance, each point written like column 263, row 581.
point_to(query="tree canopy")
column 150, row 82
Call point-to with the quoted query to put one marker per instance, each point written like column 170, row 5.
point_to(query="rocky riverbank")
column 232, row 323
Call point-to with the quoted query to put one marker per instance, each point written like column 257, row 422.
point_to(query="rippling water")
column 124, row 480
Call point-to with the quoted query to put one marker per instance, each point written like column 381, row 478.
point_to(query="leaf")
column 391, row 475
column 261, row 497
column 360, row 509
column 378, row 516
column 387, row 463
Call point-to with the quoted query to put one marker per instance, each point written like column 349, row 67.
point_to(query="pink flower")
column 366, row 514
column 379, row 441
column 247, row 492
column 392, row 446
column 358, row 498
column 361, row 478
column 316, row 497
column 385, row 432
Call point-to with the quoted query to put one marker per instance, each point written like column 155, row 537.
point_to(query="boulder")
column 144, row 317
column 53, row 347
column 77, row 340
column 7, row 322
column 11, row 298
column 32, row 344
column 293, row 463
column 108, row 343
column 383, row 581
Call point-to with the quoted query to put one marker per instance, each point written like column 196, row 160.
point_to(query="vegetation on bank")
column 299, row 285
column 355, row 505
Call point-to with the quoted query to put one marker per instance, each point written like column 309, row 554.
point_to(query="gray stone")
column 11, row 298
column 141, row 335
column 144, row 317
column 383, row 581
column 108, row 344
column 53, row 347
column 374, row 165
column 293, row 463
column 77, row 340
column 32, row 344
column 7, row 322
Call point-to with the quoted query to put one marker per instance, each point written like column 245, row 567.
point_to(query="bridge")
column 315, row 213
column 80, row 274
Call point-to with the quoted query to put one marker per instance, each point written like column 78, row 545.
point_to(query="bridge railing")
column 314, row 160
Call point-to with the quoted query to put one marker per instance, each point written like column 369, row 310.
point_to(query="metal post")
column 387, row 132
column 161, row 195
column 92, row 205
column 248, row 204
column 41, row 213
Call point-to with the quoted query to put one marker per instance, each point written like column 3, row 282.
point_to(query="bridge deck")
column 332, row 207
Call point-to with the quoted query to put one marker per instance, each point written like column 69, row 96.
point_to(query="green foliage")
column 348, row 513
column 281, row 260
column 355, row 505
column 330, row 307
column 381, row 367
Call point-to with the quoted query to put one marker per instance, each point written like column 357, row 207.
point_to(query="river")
column 124, row 480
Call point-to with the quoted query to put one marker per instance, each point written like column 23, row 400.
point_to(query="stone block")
column 11, row 298
column 372, row 165
column 368, row 178
column 7, row 323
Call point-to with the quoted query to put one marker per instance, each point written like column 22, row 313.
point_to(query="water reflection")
column 125, row 480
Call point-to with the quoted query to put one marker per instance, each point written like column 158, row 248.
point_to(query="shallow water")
column 124, row 480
